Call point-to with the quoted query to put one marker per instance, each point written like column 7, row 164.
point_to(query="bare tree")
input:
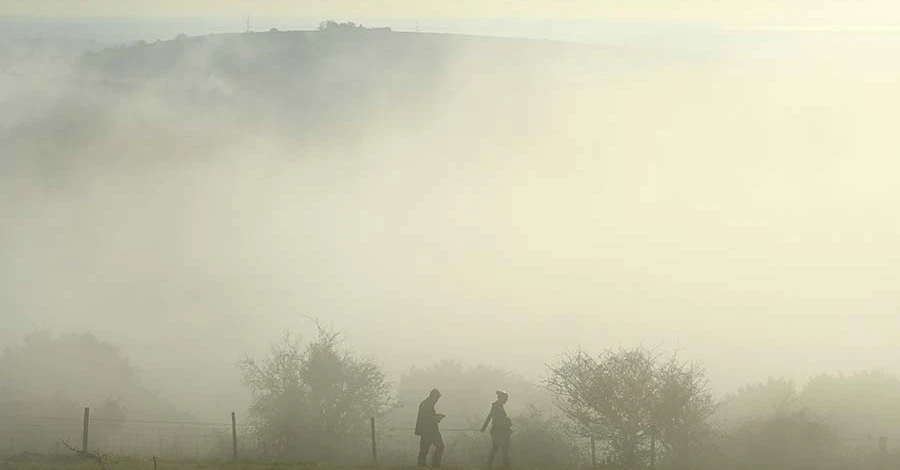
column 314, row 400
column 101, row 458
column 635, row 404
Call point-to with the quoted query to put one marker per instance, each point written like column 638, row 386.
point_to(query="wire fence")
column 139, row 438
column 210, row 440
column 21, row 436
column 181, row 440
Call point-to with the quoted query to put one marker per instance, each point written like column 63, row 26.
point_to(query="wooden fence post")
column 234, row 453
column 84, row 429
column 374, row 448
column 593, row 453
column 882, row 452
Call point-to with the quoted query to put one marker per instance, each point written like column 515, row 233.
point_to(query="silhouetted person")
column 428, row 432
column 500, row 430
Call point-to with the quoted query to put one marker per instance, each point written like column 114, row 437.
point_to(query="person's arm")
column 419, row 422
column 488, row 419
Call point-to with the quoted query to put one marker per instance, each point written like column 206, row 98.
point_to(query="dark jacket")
column 427, row 420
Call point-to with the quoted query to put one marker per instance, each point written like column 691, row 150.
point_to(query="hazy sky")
column 740, row 210
column 736, row 13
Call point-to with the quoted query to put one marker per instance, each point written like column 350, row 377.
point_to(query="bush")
column 785, row 441
column 313, row 402
column 543, row 441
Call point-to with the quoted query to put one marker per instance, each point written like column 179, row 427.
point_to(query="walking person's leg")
column 424, row 445
column 438, row 451
column 504, row 447
column 495, row 444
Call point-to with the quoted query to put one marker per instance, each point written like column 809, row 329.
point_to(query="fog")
column 436, row 197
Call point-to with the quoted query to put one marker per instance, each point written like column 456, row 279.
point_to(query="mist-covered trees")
column 349, row 26
column 866, row 403
column 56, row 376
column 757, row 401
column 638, row 406
column 313, row 401
column 858, row 407
column 784, row 440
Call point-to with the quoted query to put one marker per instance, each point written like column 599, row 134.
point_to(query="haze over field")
column 731, row 198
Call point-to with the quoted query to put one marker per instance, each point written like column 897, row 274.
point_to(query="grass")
column 34, row 461
column 31, row 461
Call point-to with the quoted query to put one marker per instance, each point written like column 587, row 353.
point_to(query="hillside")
column 320, row 87
column 314, row 76
column 315, row 57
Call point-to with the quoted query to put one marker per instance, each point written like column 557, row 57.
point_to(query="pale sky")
column 828, row 14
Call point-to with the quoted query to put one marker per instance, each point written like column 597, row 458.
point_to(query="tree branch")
column 100, row 458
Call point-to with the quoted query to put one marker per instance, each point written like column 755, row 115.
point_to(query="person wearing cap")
column 428, row 431
column 500, row 430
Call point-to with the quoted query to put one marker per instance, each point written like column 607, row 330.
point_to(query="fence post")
column 234, row 454
column 374, row 448
column 84, row 429
column 882, row 452
column 593, row 453
column 652, row 452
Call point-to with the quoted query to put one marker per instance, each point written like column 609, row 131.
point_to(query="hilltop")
column 306, row 64
column 331, row 80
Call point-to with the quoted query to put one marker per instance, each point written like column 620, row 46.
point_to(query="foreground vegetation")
column 313, row 401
